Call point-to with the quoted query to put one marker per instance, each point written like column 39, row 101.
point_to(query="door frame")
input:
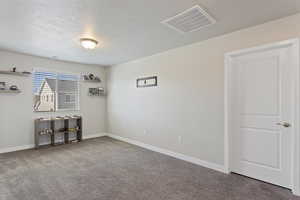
column 295, row 138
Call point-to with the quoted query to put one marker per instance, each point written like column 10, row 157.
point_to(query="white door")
column 262, row 116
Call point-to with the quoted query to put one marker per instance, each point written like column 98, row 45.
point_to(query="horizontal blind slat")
column 64, row 85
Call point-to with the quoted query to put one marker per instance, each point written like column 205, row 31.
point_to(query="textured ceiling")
column 127, row 29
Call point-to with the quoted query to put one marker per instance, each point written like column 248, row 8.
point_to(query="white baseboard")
column 180, row 156
column 93, row 136
column 31, row 146
column 17, row 148
column 296, row 193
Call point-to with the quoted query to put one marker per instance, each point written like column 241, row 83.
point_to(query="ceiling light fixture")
column 88, row 43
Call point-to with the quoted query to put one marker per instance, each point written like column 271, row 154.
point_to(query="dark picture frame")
column 142, row 82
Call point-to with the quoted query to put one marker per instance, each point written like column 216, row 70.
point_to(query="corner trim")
column 31, row 146
column 179, row 156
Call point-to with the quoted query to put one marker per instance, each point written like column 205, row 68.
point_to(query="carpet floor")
column 107, row 169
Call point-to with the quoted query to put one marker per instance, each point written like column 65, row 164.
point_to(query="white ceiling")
column 129, row 29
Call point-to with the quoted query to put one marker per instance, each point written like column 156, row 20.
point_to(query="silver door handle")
column 284, row 124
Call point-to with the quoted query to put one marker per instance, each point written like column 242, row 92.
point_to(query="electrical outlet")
column 179, row 139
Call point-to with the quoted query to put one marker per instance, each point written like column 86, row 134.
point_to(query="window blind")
column 55, row 91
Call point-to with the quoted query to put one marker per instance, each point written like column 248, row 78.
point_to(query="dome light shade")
column 88, row 43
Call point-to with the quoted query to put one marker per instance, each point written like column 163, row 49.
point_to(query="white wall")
column 16, row 110
column 189, row 100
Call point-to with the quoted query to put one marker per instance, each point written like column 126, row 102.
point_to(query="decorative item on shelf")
column 2, row 86
column 14, row 71
column 13, row 88
column 6, row 89
column 74, row 129
column 91, row 78
column 96, row 91
column 46, row 132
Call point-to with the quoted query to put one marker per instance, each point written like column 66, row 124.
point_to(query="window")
column 63, row 89
column 70, row 98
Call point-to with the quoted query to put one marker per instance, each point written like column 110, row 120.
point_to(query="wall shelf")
column 91, row 78
column 92, row 81
column 15, row 73
column 10, row 91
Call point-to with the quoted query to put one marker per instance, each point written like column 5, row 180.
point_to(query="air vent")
column 190, row 20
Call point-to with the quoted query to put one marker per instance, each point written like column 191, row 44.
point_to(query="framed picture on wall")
column 146, row 82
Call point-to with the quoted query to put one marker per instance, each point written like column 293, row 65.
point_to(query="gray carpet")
column 107, row 169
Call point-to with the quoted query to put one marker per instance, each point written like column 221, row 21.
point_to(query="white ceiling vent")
column 190, row 20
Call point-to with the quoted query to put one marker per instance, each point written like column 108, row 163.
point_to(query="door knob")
column 284, row 124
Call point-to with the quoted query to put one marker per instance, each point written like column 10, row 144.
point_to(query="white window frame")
column 78, row 75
